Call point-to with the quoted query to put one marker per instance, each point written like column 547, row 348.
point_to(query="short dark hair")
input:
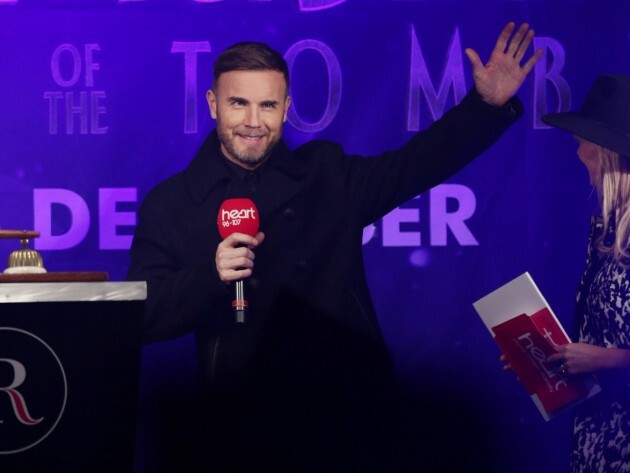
column 250, row 56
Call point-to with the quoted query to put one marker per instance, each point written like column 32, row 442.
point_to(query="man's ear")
column 212, row 103
column 287, row 103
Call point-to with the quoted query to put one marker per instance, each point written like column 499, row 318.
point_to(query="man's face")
column 250, row 108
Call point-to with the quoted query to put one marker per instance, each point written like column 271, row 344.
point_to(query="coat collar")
column 281, row 182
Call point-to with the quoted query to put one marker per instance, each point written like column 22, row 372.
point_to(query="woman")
column 601, row 426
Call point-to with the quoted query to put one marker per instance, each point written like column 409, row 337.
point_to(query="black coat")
column 312, row 338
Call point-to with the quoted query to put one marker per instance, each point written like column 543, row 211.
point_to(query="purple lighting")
column 101, row 100
column 315, row 5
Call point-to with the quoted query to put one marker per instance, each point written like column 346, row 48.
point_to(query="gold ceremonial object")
column 24, row 260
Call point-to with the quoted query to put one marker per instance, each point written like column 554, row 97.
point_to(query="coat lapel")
column 282, row 181
column 205, row 171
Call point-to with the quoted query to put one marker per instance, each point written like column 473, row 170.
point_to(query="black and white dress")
column 601, row 425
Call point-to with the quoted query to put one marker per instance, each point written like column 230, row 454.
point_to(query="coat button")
column 302, row 266
column 289, row 213
column 253, row 282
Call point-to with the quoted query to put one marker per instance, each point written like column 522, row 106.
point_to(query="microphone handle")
column 239, row 304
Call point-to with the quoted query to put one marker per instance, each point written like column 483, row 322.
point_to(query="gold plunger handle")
column 21, row 234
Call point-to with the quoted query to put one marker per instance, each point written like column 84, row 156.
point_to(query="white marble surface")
column 72, row 291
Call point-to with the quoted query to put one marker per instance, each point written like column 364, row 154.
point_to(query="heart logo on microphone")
column 238, row 216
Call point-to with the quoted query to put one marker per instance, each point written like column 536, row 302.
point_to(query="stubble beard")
column 227, row 141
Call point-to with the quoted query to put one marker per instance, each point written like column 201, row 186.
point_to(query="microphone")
column 238, row 216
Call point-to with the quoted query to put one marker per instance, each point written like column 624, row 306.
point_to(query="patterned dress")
column 601, row 425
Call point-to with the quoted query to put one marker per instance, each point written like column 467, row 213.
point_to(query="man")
column 306, row 383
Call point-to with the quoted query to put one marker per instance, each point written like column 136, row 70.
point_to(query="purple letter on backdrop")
column 334, row 85
column 97, row 110
column 419, row 78
column 55, row 65
column 542, row 75
column 441, row 219
column 53, row 110
column 392, row 235
column 109, row 219
column 80, row 109
column 190, row 51
column 90, row 65
column 368, row 234
column 43, row 200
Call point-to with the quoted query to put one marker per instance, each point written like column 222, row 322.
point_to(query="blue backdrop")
column 102, row 99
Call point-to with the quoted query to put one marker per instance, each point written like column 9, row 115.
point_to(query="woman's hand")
column 583, row 358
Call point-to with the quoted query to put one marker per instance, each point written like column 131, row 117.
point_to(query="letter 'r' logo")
column 33, row 390
column 20, row 408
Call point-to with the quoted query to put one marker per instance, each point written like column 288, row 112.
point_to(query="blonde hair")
column 613, row 188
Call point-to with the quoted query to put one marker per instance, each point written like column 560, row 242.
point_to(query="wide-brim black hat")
column 604, row 117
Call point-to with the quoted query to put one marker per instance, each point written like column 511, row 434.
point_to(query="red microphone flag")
column 238, row 216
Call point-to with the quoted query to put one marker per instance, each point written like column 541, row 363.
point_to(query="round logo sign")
column 33, row 390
